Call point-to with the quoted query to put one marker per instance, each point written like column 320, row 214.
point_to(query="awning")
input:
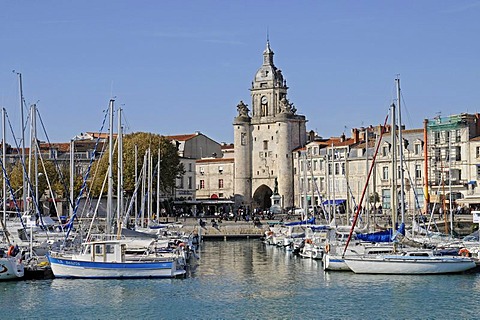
column 330, row 202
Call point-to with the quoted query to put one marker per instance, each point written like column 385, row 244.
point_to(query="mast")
column 158, row 186
column 425, row 163
column 22, row 127
column 110, row 171
column 304, row 196
column 144, row 177
column 367, row 199
column 333, row 186
column 400, row 148
column 72, row 173
column 450, row 200
column 394, row 166
column 136, row 179
column 149, row 192
column 120, row 174
column 4, row 159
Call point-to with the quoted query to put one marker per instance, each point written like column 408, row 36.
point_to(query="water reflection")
column 246, row 279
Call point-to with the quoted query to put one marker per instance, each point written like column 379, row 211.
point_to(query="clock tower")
column 265, row 138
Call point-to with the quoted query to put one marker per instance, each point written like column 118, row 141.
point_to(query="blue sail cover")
column 381, row 236
column 298, row 223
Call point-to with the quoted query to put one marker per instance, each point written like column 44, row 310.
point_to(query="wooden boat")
column 107, row 259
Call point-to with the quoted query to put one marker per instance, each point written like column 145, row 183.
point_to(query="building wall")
column 215, row 178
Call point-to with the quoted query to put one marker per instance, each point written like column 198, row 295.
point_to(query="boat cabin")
column 103, row 251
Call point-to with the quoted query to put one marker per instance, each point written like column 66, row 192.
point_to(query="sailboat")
column 107, row 257
column 11, row 266
column 409, row 261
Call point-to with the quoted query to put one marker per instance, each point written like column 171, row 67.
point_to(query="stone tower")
column 264, row 139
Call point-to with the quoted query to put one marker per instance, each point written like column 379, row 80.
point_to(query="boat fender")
column 181, row 244
column 327, row 248
column 11, row 251
column 464, row 252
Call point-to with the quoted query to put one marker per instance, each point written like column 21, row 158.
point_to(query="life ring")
column 10, row 251
column 464, row 252
column 327, row 248
column 181, row 245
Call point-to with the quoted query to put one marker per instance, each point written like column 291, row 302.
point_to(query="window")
column 337, row 168
column 418, row 171
column 386, row 202
column 343, row 168
column 189, row 167
column 109, row 248
column 314, row 165
column 202, row 170
column 436, row 137
column 420, row 196
column 180, row 182
column 202, row 184
column 98, row 249
column 385, row 173
column 243, row 139
column 53, row 153
column 447, row 136
column 190, row 182
column 265, row 144
column 385, row 151
column 458, row 136
column 477, row 152
column 478, row 171
column 220, row 183
column 418, row 149
column 457, row 154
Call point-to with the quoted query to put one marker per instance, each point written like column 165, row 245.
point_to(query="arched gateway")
column 262, row 198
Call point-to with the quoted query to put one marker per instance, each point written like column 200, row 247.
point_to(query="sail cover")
column 381, row 236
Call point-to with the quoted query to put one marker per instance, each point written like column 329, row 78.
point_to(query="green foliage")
column 15, row 174
column 170, row 166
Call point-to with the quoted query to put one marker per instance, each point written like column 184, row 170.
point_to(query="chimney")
column 355, row 135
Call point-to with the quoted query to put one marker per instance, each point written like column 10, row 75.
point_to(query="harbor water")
column 246, row 279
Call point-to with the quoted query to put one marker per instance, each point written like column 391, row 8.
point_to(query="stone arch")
column 262, row 197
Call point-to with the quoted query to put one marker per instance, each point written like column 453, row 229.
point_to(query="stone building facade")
column 264, row 139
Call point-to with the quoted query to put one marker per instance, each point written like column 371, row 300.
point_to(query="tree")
column 15, row 175
column 170, row 166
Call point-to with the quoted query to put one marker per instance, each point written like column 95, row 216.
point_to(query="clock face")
column 264, row 100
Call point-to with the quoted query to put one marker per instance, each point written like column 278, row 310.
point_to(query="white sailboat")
column 409, row 261
column 11, row 266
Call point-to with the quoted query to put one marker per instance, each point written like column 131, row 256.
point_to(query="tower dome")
column 268, row 75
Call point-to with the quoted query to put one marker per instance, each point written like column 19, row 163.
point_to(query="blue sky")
column 182, row 66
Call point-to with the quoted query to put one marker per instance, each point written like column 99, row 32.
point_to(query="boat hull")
column 406, row 265
column 11, row 268
column 334, row 263
column 68, row 268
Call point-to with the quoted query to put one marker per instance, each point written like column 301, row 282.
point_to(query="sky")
column 178, row 67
